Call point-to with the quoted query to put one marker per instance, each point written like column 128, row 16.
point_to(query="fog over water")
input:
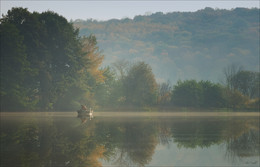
column 130, row 139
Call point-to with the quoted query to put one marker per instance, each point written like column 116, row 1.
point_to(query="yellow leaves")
column 253, row 103
column 165, row 98
column 96, row 61
column 92, row 58
column 93, row 158
column 97, row 153
column 98, row 74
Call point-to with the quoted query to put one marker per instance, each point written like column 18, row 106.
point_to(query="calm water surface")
column 112, row 139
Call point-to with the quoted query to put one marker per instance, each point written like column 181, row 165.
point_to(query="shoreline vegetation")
column 175, row 109
column 47, row 66
column 133, row 114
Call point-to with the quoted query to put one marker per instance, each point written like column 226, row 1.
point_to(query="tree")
column 61, row 58
column 164, row 93
column 241, row 85
column 55, row 57
column 235, row 99
column 187, row 94
column 121, row 67
column 191, row 93
column 106, row 92
column 89, row 77
column 247, row 82
column 93, row 58
column 52, row 49
column 140, row 86
column 14, row 68
column 229, row 72
column 213, row 94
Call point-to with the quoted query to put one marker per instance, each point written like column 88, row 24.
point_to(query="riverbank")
column 132, row 114
column 173, row 109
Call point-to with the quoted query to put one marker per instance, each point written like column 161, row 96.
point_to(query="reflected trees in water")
column 50, row 143
column 196, row 133
column 67, row 142
column 138, row 144
column 245, row 145
column 127, row 143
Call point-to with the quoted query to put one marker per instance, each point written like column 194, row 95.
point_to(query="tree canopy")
column 47, row 65
column 140, row 86
column 42, row 57
column 181, row 45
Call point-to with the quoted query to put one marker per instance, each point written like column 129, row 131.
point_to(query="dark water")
column 65, row 140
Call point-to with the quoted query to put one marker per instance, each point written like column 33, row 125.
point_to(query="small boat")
column 84, row 112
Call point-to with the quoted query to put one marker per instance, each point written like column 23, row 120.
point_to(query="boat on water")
column 85, row 112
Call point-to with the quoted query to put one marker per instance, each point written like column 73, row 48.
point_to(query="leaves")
column 42, row 57
column 140, row 86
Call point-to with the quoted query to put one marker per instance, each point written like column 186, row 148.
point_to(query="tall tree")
column 106, row 93
column 247, row 82
column 140, row 85
column 88, row 77
column 229, row 72
column 14, row 68
column 53, row 50
column 187, row 94
column 61, row 58
column 164, row 93
column 213, row 94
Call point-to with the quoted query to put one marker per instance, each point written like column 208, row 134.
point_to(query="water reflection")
column 65, row 141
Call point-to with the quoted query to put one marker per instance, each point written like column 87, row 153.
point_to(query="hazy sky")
column 104, row 10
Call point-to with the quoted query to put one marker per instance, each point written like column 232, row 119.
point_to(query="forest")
column 48, row 65
column 181, row 45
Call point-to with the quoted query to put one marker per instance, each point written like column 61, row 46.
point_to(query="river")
column 130, row 139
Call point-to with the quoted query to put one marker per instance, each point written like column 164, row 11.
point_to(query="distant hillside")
column 182, row 45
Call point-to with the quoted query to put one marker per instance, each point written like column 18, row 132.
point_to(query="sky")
column 105, row 10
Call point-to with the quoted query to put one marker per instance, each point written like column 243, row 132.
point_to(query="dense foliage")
column 140, row 85
column 46, row 65
column 43, row 59
column 182, row 45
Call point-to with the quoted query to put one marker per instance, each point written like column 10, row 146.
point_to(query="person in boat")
column 84, row 108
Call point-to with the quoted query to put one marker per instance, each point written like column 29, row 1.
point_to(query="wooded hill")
column 46, row 65
column 181, row 45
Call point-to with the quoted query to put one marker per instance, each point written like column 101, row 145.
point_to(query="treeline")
column 135, row 88
column 181, row 45
column 46, row 65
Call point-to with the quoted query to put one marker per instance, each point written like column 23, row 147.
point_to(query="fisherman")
column 84, row 108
